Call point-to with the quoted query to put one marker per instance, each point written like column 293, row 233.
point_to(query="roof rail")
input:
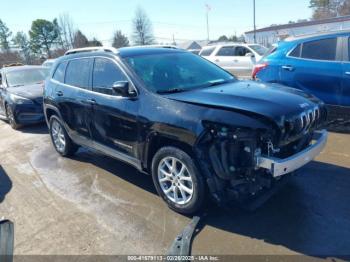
column 13, row 64
column 91, row 49
column 159, row 46
column 225, row 43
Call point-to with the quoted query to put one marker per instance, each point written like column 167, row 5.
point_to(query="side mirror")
column 6, row 240
column 249, row 55
column 121, row 88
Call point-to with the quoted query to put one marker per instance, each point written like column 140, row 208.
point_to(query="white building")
column 270, row 35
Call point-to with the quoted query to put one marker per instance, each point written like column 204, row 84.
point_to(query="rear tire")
column 60, row 139
column 178, row 181
column 11, row 118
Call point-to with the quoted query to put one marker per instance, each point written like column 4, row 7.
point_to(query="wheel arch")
column 158, row 141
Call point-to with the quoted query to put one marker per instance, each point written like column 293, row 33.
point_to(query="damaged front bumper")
column 279, row 167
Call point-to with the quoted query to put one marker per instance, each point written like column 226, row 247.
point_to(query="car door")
column 114, row 118
column 315, row 67
column 73, row 97
column 243, row 62
column 345, row 99
column 224, row 58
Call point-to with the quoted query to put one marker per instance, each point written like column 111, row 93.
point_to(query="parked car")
column 236, row 58
column 21, row 94
column 48, row 63
column 196, row 129
column 318, row 64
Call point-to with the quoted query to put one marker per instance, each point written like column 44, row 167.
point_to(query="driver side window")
column 105, row 74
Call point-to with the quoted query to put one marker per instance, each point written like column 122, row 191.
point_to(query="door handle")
column 236, row 61
column 217, row 60
column 59, row 93
column 347, row 73
column 288, row 67
column 91, row 101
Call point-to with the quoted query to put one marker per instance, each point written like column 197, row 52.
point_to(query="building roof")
column 302, row 24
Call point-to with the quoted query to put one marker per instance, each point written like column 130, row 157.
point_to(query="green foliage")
column 223, row 38
column 120, row 40
column 21, row 41
column 5, row 34
column 43, row 35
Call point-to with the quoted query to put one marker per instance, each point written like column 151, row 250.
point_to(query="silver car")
column 236, row 58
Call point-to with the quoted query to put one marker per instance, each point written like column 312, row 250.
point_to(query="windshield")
column 175, row 72
column 26, row 76
column 259, row 49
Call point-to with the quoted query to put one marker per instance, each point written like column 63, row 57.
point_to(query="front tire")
column 11, row 117
column 60, row 139
column 178, row 180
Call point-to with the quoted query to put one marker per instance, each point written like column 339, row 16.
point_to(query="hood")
column 274, row 101
column 28, row 91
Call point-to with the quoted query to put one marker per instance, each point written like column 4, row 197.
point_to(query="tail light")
column 258, row 68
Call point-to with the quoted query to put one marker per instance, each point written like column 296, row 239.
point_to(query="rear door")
column 233, row 59
column 114, row 118
column 73, row 97
column 346, row 74
column 224, row 58
column 244, row 64
column 316, row 67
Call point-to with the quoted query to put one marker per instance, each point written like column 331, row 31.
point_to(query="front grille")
column 302, row 123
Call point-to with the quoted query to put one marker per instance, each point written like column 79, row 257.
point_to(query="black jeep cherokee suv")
column 193, row 126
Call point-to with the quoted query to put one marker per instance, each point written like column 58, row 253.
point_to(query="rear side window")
column 296, row 51
column 324, row 49
column 78, row 73
column 59, row 73
column 226, row 51
column 105, row 74
column 207, row 51
column 241, row 51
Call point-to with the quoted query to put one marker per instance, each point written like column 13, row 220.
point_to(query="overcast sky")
column 186, row 19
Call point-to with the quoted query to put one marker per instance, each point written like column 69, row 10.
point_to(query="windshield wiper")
column 171, row 91
column 218, row 82
column 17, row 85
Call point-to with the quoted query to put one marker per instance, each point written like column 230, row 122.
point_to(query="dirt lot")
column 93, row 204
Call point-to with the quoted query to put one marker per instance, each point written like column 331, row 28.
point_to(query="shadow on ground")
column 118, row 168
column 35, row 129
column 5, row 184
column 310, row 215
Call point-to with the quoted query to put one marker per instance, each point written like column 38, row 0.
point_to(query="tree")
column 43, row 35
column 143, row 33
column 323, row 9
column 21, row 40
column 94, row 42
column 223, row 38
column 120, row 40
column 67, row 30
column 80, row 40
column 5, row 34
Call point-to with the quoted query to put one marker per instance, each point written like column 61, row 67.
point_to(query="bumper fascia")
column 28, row 114
column 279, row 167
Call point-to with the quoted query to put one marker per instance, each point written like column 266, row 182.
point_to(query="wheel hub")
column 175, row 180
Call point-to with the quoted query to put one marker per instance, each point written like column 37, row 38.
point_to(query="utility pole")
column 208, row 9
column 254, row 22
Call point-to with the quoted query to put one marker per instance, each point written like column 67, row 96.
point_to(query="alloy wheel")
column 175, row 180
column 58, row 136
